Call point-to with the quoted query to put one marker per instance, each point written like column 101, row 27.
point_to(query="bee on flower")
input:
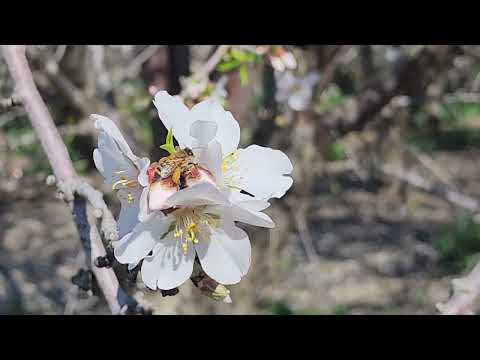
column 190, row 201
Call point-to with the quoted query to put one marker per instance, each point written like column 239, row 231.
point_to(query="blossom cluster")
column 184, row 207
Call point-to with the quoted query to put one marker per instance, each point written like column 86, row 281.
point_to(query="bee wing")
column 166, row 170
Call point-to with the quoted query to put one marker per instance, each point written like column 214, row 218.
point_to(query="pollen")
column 124, row 184
column 228, row 161
column 192, row 226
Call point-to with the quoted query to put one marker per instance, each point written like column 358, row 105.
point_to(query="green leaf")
column 168, row 146
column 228, row 65
column 243, row 72
column 239, row 55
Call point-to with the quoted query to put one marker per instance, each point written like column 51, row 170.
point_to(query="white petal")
column 143, row 165
column 200, row 194
column 228, row 130
column 128, row 217
column 132, row 266
column 168, row 267
column 255, row 218
column 248, row 202
column 300, row 99
column 134, row 246
column 225, row 257
column 175, row 115
column 210, row 157
column 203, row 132
column 260, row 171
column 111, row 162
column 246, row 209
column 143, row 204
column 158, row 195
column 105, row 124
column 204, row 176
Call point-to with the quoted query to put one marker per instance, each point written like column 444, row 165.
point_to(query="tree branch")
column 85, row 202
column 206, row 69
column 466, row 291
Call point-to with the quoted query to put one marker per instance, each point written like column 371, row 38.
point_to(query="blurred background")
column 385, row 142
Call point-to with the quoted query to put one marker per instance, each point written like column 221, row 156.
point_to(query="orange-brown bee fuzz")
column 176, row 175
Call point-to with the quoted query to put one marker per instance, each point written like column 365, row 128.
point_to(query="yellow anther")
column 132, row 184
column 130, row 198
column 125, row 184
column 191, row 227
column 121, row 182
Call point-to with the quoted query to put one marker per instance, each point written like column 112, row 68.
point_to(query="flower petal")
column 228, row 130
column 225, row 257
column 111, row 162
column 175, row 115
column 134, row 246
column 255, row 218
column 130, row 207
column 168, row 267
column 143, row 163
column 203, row 193
column 108, row 126
column 143, row 204
column 132, row 266
column 259, row 170
column 159, row 193
column 201, row 176
column 203, row 132
column 210, row 157
column 248, row 202
column 245, row 210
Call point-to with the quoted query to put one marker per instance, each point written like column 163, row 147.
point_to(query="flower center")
column 192, row 225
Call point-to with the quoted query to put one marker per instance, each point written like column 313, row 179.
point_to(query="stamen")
column 124, row 183
column 192, row 226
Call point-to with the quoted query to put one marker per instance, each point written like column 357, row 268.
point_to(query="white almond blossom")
column 295, row 92
column 184, row 206
column 201, row 223
column 122, row 170
column 213, row 134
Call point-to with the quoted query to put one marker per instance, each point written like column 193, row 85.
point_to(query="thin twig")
column 449, row 194
column 206, row 69
column 138, row 61
column 329, row 70
column 305, row 236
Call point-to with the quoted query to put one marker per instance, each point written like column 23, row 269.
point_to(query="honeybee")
column 175, row 166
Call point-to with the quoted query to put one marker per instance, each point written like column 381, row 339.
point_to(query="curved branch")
column 86, row 203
